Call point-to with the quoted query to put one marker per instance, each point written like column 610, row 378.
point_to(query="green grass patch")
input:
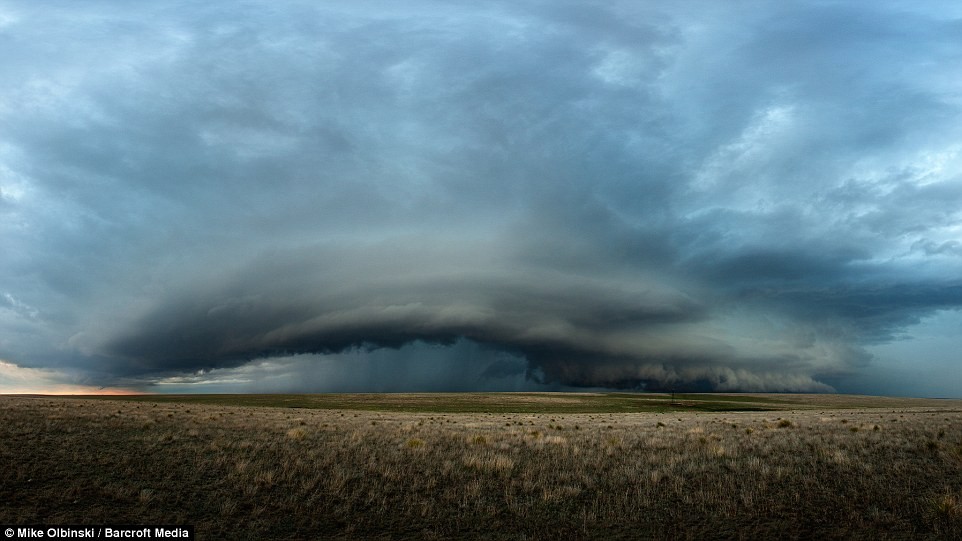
column 540, row 402
column 477, row 402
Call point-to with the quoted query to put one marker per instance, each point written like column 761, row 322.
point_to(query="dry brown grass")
column 262, row 473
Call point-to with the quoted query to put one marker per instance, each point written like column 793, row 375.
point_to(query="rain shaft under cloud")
column 613, row 195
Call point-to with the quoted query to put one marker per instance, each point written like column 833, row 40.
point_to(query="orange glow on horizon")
column 65, row 390
column 22, row 380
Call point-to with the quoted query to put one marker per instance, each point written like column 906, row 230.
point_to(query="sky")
column 287, row 196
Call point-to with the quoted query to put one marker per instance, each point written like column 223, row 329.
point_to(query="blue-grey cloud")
column 746, row 196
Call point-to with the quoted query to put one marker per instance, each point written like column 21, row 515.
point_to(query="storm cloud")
column 572, row 194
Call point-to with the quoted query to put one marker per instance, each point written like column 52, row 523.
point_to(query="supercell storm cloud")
column 534, row 195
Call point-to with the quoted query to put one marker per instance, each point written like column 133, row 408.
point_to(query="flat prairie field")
column 488, row 465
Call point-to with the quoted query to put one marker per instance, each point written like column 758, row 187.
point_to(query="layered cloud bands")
column 575, row 330
column 690, row 196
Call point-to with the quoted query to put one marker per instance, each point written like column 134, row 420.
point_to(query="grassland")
column 541, row 402
column 345, row 468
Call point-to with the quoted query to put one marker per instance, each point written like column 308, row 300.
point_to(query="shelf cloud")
column 535, row 195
